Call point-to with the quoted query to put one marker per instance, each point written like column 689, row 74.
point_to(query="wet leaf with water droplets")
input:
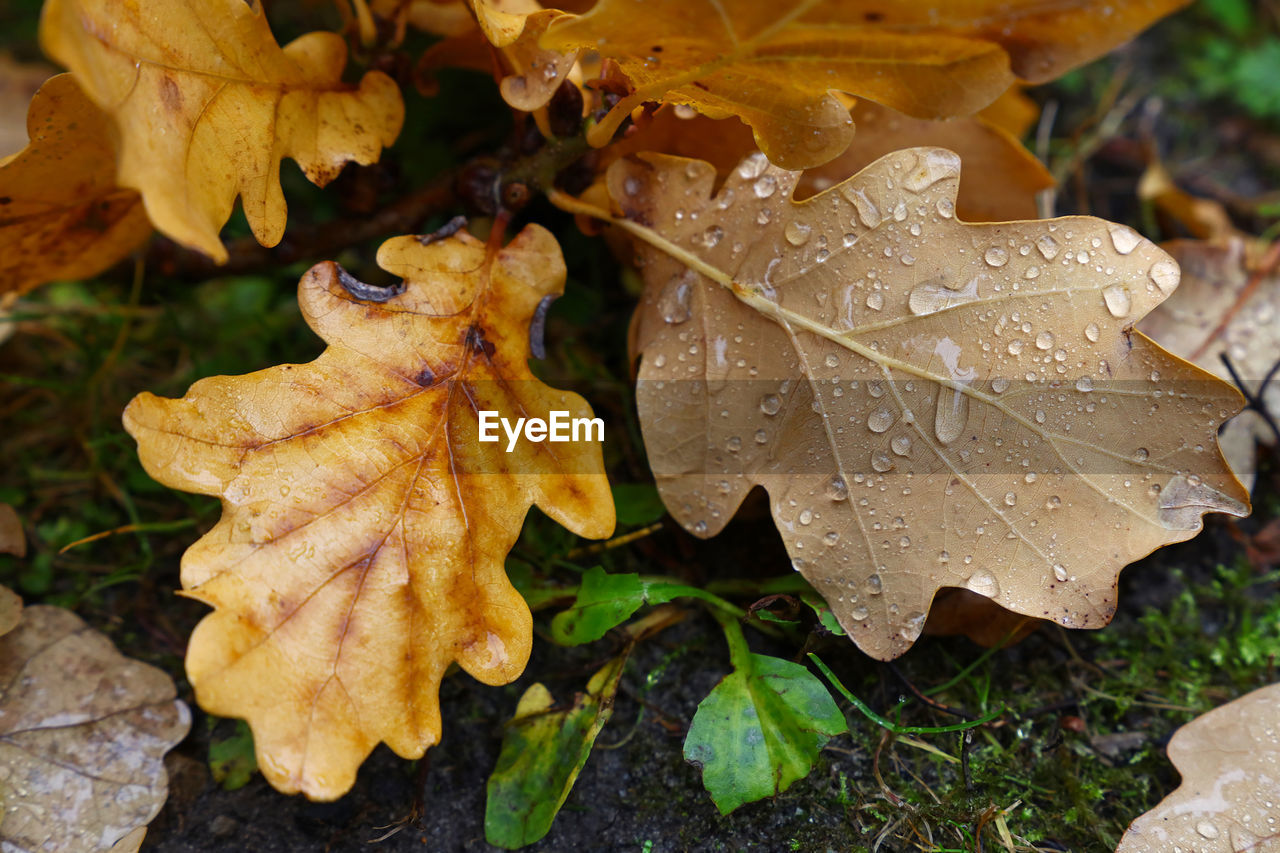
column 774, row 65
column 83, row 733
column 365, row 525
column 984, row 426
column 1229, row 799
column 1211, row 315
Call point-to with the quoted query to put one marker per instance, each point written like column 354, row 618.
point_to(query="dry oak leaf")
column 206, row 103
column 1229, row 759
column 929, row 403
column 364, row 526
column 83, row 733
column 61, row 213
column 1225, row 308
column 774, row 65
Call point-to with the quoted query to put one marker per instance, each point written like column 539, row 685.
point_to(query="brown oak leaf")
column 929, row 403
column 206, row 103
column 364, row 526
column 775, row 65
column 1226, row 307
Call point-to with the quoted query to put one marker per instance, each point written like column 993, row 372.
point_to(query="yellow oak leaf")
column 364, row 525
column 774, row 65
column 513, row 27
column 61, row 214
column 929, row 403
column 206, row 103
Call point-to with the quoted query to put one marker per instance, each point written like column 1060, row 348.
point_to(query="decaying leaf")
column 83, row 733
column 761, row 728
column 1229, row 759
column 206, row 104
column 365, row 525
column 1223, row 308
column 543, row 751
column 929, row 403
column 63, row 215
column 774, row 65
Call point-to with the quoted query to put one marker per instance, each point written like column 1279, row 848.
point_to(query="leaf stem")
column 889, row 725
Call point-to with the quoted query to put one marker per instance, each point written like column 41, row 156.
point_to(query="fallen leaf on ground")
column 960, row 611
column 1229, row 760
column 64, row 216
column 1222, row 307
column 364, row 525
column 929, row 403
column 774, row 65
column 1204, row 218
column 761, row 728
column 83, row 733
column 544, row 748
column 206, row 104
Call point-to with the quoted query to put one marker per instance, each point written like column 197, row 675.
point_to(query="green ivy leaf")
column 760, row 728
column 543, row 751
column 605, row 601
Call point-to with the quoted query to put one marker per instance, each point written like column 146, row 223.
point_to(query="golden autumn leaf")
column 1007, row 176
column 206, row 103
column 1229, row 759
column 83, row 733
column 775, row 65
column 513, row 27
column 61, row 213
column 1225, row 308
column 364, row 525
column 929, row 403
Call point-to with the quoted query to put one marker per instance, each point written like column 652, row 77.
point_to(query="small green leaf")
column 543, row 751
column 606, row 601
column 637, row 503
column 231, row 760
column 760, row 729
column 825, row 616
